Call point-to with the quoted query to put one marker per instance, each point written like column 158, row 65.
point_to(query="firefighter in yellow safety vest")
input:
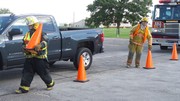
column 36, row 61
column 138, row 36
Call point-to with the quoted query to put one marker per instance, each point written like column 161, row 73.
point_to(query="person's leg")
column 138, row 56
column 131, row 54
column 27, row 77
column 42, row 71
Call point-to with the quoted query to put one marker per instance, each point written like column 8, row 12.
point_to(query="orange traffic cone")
column 36, row 38
column 174, row 53
column 149, row 63
column 81, row 76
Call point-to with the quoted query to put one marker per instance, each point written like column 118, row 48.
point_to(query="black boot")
column 50, row 86
column 21, row 90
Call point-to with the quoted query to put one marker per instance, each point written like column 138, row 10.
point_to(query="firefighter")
column 36, row 60
column 138, row 36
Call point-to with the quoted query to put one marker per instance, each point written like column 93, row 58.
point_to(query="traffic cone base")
column 83, row 81
column 149, row 67
column 174, row 59
column 81, row 76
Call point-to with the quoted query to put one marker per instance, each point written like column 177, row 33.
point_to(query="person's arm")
column 43, row 43
column 44, row 40
column 149, row 37
column 131, row 33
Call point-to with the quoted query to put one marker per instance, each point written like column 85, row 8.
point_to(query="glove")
column 24, row 48
column 130, row 41
column 32, row 52
column 149, row 47
column 26, row 42
column 37, row 47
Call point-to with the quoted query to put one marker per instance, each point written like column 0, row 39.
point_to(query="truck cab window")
column 157, row 14
column 48, row 26
column 177, row 13
column 167, row 12
column 4, row 22
column 18, row 29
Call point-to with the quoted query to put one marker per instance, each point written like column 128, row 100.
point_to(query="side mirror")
column 14, row 31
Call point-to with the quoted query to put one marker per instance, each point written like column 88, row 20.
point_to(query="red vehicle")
column 166, row 23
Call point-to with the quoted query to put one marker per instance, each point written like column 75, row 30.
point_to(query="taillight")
column 102, row 37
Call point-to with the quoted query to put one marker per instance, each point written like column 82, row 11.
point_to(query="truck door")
column 13, row 45
column 54, row 43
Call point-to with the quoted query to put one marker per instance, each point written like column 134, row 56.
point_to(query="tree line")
column 5, row 11
column 117, row 11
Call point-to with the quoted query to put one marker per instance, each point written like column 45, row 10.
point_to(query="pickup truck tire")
column 87, row 55
column 163, row 47
column 51, row 63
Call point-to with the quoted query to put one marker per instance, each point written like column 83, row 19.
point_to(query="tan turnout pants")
column 133, row 48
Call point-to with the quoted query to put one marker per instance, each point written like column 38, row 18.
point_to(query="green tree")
column 4, row 11
column 101, row 12
column 117, row 11
column 137, row 10
column 65, row 25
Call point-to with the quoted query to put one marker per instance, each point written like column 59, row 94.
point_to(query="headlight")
column 158, row 30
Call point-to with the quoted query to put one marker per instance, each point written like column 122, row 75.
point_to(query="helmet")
column 30, row 20
column 144, row 19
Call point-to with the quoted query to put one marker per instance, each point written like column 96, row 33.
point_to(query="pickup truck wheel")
column 87, row 55
column 163, row 47
column 51, row 63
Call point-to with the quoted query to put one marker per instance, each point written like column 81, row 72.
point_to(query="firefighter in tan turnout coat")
column 138, row 35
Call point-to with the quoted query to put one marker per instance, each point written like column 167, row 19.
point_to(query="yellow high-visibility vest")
column 145, row 34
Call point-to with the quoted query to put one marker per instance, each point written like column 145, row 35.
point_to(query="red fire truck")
column 166, row 23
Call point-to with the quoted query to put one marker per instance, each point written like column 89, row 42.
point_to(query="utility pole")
column 73, row 18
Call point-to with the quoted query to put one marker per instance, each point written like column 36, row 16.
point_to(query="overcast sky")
column 65, row 11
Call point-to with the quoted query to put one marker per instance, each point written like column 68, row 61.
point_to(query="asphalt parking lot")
column 109, row 79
